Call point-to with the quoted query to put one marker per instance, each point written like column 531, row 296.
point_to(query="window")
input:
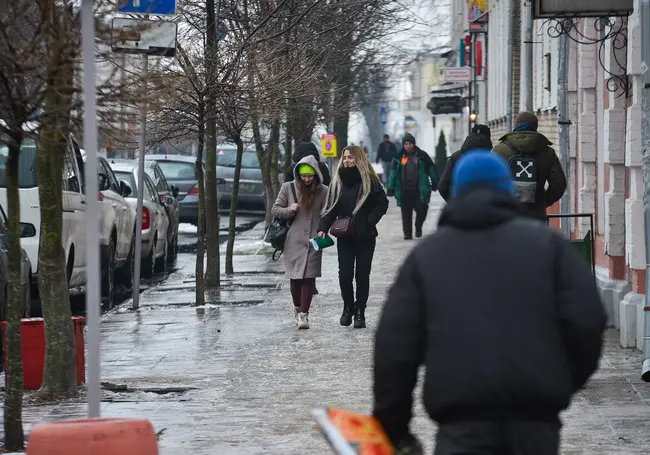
column 106, row 169
column 160, row 181
column 227, row 158
column 70, row 174
column 151, row 189
column 178, row 170
column 129, row 178
column 27, row 175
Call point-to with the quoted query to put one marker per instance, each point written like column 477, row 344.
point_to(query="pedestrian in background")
column 478, row 139
column 302, row 150
column 411, row 181
column 355, row 197
column 364, row 147
column 534, row 163
column 385, row 155
column 507, row 321
column 301, row 201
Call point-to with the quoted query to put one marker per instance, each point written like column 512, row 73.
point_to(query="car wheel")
column 108, row 278
column 161, row 262
column 148, row 264
column 125, row 274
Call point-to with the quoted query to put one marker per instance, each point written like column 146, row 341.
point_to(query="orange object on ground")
column 33, row 350
column 93, row 437
column 363, row 434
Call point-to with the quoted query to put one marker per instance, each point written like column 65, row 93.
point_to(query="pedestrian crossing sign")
column 328, row 145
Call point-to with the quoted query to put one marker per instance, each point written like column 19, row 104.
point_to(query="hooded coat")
column 474, row 141
column 548, row 165
column 300, row 259
column 303, row 150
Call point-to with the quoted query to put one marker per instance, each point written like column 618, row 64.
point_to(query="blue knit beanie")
column 481, row 169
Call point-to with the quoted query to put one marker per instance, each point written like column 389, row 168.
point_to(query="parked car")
column 25, row 271
column 155, row 222
column 168, row 195
column 251, row 187
column 73, row 232
column 116, row 236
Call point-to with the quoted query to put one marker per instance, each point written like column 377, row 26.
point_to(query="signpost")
column 460, row 74
column 162, row 7
column 328, row 145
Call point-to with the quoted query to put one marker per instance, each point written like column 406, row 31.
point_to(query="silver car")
column 251, row 187
column 155, row 222
column 26, row 230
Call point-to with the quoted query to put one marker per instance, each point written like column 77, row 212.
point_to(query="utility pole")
column 510, row 67
column 528, row 101
column 645, row 134
column 564, row 123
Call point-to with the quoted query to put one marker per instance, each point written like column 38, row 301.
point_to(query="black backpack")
column 278, row 230
column 524, row 170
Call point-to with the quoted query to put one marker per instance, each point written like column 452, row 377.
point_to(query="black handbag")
column 278, row 230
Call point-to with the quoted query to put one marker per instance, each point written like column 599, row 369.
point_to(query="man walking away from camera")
column 534, row 163
column 507, row 321
column 385, row 155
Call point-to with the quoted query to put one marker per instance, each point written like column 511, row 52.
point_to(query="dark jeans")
column 351, row 251
column 302, row 292
column 516, row 437
column 411, row 202
column 387, row 165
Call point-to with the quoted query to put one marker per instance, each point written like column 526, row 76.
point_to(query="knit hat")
column 527, row 118
column 408, row 138
column 306, row 169
column 480, row 169
column 482, row 129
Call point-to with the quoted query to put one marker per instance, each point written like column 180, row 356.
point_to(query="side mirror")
column 221, row 181
column 125, row 189
column 175, row 191
column 27, row 230
column 169, row 201
column 103, row 182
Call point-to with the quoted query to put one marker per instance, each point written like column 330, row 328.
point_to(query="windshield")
column 127, row 177
column 178, row 170
column 26, row 165
column 227, row 158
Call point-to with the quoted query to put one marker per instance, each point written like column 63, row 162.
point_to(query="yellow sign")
column 328, row 145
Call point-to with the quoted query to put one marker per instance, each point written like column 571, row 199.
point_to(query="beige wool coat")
column 300, row 259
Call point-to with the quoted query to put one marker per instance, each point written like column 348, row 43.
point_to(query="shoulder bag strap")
column 295, row 198
column 513, row 148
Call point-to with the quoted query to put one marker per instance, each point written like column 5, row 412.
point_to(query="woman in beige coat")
column 302, row 263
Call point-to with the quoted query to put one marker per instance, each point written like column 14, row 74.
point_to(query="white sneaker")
column 296, row 311
column 303, row 320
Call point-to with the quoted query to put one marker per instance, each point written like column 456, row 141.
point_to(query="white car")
column 155, row 221
column 73, row 234
column 116, row 236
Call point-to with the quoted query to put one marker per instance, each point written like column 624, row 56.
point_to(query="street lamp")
column 472, row 117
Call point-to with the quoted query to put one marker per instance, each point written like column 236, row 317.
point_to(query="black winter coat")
column 368, row 216
column 508, row 321
column 474, row 141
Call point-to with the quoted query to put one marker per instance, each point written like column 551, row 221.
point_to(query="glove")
column 409, row 446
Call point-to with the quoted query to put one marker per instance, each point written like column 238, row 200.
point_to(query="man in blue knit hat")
column 503, row 313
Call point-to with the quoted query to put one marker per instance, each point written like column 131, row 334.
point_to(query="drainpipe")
column 511, row 28
column 645, row 134
column 528, row 101
column 564, row 122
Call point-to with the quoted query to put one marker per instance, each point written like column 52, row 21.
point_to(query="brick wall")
column 548, row 125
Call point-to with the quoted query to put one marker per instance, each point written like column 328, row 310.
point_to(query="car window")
column 129, row 178
column 106, row 169
column 27, row 176
column 160, row 181
column 70, row 174
column 227, row 157
column 80, row 163
column 177, row 170
column 151, row 190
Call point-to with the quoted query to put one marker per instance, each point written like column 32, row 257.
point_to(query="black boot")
column 346, row 317
column 360, row 318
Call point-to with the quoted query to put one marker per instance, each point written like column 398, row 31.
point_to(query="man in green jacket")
column 533, row 163
column 411, row 181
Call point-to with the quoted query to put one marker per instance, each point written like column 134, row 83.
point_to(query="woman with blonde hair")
column 355, row 203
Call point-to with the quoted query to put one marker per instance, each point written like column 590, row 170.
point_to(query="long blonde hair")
column 368, row 179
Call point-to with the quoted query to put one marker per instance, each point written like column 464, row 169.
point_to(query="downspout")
column 511, row 28
column 645, row 134
column 564, row 122
column 528, row 101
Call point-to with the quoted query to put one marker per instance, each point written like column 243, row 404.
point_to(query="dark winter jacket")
column 507, row 321
column 368, row 216
column 303, row 150
column 386, row 152
column 427, row 176
column 473, row 142
column 549, row 168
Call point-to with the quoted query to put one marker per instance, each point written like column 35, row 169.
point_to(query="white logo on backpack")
column 524, row 169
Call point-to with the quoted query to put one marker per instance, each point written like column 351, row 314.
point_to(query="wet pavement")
column 236, row 377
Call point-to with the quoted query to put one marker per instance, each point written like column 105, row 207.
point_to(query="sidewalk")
column 238, row 378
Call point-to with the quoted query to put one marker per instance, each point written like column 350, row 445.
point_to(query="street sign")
column 382, row 115
column 139, row 36
column 160, row 7
column 459, row 74
column 545, row 9
column 328, row 144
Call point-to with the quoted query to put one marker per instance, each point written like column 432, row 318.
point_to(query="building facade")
column 605, row 149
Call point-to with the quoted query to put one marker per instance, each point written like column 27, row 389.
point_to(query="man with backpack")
column 533, row 164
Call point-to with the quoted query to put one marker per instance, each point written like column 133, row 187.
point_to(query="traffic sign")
column 328, row 145
column 161, row 7
column 136, row 36
column 459, row 74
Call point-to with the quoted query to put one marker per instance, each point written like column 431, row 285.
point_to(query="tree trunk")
column 233, row 207
column 274, row 152
column 288, row 144
column 200, row 241
column 341, row 130
column 264, row 158
column 13, row 403
column 59, row 376
column 213, row 272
